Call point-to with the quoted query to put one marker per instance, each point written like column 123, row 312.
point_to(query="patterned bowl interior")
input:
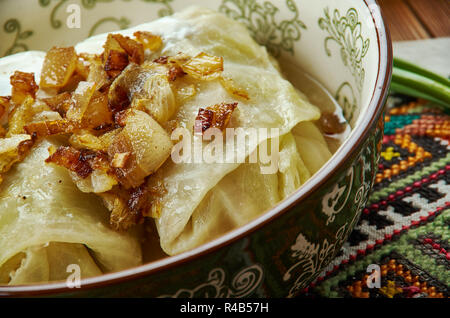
column 334, row 41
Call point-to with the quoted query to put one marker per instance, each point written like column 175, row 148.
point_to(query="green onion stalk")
column 412, row 80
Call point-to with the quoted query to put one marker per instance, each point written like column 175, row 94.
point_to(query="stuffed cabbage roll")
column 90, row 144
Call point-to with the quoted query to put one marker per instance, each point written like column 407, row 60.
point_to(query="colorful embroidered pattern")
column 405, row 227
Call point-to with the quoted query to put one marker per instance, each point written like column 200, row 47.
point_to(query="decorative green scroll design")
column 167, row 10
column 13, row 26
column 345, row 31
column 260, row 19
column 90, row 4
column 346, row 97
column 55, row 23
column 122, row 23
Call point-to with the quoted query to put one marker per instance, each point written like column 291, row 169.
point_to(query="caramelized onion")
column 58, row 67
column 203, row 67
column 85, row 140
column 231, row 88
column 4, row 106
column 72, row 159
column 13, row 150
column 121, row 218
column 134, row 49
column 23, row 85
column 20, row 116
column 116, row 62
column 156, row 98
column 97, row 75
column 124, row 86
column 149, row 40
column 59, row 103
column 217, row 116
column 81, row 99
column 147, row 142
column 97, row 113
column 48, row 128
column 175, row 72
column 120, row 159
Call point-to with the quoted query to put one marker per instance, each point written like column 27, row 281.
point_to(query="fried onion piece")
column 147, row 142
column 162, row 60
column 43, row 129
column 175, row 72
column 149, row 40
column 97, row 113
column 20, row 116
column 217, row 116
column 74, row 160
column 13, row 150
column 86, row 140
column 99, row 181
column 129, row 207
column 119, row 52
column 156, row 98
column 120, row 159
column 2, row 108
column 120, row 90
column 140, row 86
column 5, row 105
column 81, row 99
column 90, row 58
column 116, row 62
column 139, row 201
column 156, row 191
column 82, row 68
column 59, row 103
column 23, row 85
column 46, row 115
column 231, row 88
column 102, row 178
column 121, row 218
column 59, row 65
column 203, row 66
column 98, row 75
column 134, row 49
column 89, row 170
column 73, row 83
column 129, row 83
column 111, row 44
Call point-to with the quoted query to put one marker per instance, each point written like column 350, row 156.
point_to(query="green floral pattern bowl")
column 344, row 45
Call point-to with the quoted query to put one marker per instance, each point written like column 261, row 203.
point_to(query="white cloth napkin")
column 432, row 54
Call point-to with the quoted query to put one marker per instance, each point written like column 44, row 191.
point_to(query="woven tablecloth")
column 405, row 228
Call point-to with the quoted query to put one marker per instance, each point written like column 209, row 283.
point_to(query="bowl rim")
column 346, row 151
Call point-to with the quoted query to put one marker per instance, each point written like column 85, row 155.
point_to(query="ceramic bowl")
column 344, row 45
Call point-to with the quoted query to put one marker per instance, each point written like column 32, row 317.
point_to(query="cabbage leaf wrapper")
column 44, row 214
column 185, row 220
